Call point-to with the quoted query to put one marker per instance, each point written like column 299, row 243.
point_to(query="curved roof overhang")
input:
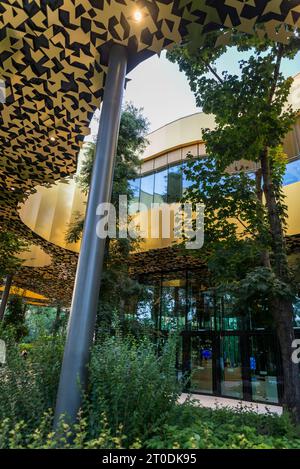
column 53, row 60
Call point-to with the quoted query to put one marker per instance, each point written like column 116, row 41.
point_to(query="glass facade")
column 224, row 351
column 168, row 184
column 292, row 173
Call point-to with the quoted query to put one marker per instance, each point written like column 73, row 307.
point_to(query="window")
column 292, row 173
column 147, row 184
column 185, row 182
column 135, row 185
column 175, row 184
column 160, row 186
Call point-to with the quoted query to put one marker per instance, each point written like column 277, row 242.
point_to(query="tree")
column 14, row 319
column 10, row 248
column 116, row 287
column 246, row 217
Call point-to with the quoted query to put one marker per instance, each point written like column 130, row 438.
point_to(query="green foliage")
column 44, row 320
column 14, row 318
column 20, row 436
column 131, row 389
column 191, row 427
column 252, row 117
column 131, row 403
column 243, row 231
column 10, row 246
column 133, row 386
column 28, row 385
column 131, row 143
column 117, row 288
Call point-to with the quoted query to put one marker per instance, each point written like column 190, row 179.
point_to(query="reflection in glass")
column 263, row 368
column 175, row 184
column 185, row 182
column 228, row 318
column 148, row 308
column 292, row 173
column 201, row 364
column 135, row 185
column 147, row 184
column 297, row 312
column 231, row 367
column 200, row 313
column 173, row 304
column 160, row 186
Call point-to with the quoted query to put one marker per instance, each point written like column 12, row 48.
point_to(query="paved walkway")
column 217, row 402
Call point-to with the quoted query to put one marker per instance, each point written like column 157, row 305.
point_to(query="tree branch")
column 212, row 70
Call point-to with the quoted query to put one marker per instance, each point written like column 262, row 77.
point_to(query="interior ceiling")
column 53, row 59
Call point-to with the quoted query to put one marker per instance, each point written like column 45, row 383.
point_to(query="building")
column 229, row 353
column 57, row 62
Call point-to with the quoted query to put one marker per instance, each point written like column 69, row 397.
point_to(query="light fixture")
column 53, row 139
column 137, row 15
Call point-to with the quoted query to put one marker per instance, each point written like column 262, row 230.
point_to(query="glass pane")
column 147, row 184
column 201, row 365
column 292, row 173
column 231, row 367
column 161, row 186
column 185, row 182
column 200, row 307
column 175, row 184
column 173, row 304
column 263, row 368
column 228, row 318
column 260, row 316
column 134, row 185
column 297, row 312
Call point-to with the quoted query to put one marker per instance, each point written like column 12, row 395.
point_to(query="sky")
column 157, row 86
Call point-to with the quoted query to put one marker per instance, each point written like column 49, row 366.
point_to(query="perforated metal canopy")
column 53, row 57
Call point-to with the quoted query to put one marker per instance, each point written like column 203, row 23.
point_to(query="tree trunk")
column 282, row 308
column 283, row 316
column 5, row 295
column 56, row 322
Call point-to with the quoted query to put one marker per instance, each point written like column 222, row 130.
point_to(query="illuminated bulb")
column 52, row 139
column 137, row 15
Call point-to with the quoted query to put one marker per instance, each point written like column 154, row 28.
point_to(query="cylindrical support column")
column 5, row 295
column 90, row 264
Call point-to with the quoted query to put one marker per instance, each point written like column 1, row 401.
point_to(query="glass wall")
column 224, row 351
column 231, row 366
column 167, row 185
column 292, row 173
column 161, row 187
column 263, row 366
column 147, row 187
column 201, row 364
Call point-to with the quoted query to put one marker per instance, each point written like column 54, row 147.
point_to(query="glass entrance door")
column 231, row 366
column 201, row 364
column 264, row 368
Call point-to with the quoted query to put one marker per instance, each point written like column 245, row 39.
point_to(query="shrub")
column 191, row 427
column 14, row 318
column 132, row 385
column 28, row 385
column 20, row 436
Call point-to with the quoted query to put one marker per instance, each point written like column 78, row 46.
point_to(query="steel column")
column 90, row 265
